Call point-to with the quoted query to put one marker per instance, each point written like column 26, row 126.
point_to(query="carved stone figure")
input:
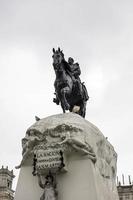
column 79, row 144
column 50, row 192
column 69, row 90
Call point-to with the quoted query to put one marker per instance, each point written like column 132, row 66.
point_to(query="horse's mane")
column 66, row 66
column 65, row 63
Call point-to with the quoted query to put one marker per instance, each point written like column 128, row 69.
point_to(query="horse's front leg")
column 65, row 104
column 63, row 107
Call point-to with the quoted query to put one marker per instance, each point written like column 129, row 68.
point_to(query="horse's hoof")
column 67, row 107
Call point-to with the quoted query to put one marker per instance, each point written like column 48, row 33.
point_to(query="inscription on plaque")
column 48, row 159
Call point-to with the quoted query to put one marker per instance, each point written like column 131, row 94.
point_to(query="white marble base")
column 81, row 182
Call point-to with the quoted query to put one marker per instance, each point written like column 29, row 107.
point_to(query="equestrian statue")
column 70, row 92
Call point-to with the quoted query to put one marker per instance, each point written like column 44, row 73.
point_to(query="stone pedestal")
column 90, row 160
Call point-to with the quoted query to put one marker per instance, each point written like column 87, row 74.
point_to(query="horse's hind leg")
column 82, row 111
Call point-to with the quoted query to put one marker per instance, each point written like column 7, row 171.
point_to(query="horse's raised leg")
column 64, row 92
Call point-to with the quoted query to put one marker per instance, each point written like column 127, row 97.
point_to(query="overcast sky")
column 98, row 34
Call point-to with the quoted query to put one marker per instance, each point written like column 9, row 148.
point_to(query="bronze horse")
column 66, row 91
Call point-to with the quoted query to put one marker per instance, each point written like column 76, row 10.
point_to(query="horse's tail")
column 85, row 93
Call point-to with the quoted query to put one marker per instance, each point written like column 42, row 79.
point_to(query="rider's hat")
column 70, row 59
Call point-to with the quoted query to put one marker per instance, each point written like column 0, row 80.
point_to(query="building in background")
column 6, row 179
column 125, row 191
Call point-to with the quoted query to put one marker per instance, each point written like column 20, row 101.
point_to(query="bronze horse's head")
column 58, row 57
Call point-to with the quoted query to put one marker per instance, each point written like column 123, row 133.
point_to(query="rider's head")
column 70, row 60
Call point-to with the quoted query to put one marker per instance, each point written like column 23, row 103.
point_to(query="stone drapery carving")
column 47, row 146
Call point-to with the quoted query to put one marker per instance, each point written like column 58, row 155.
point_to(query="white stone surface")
column 85, row 178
